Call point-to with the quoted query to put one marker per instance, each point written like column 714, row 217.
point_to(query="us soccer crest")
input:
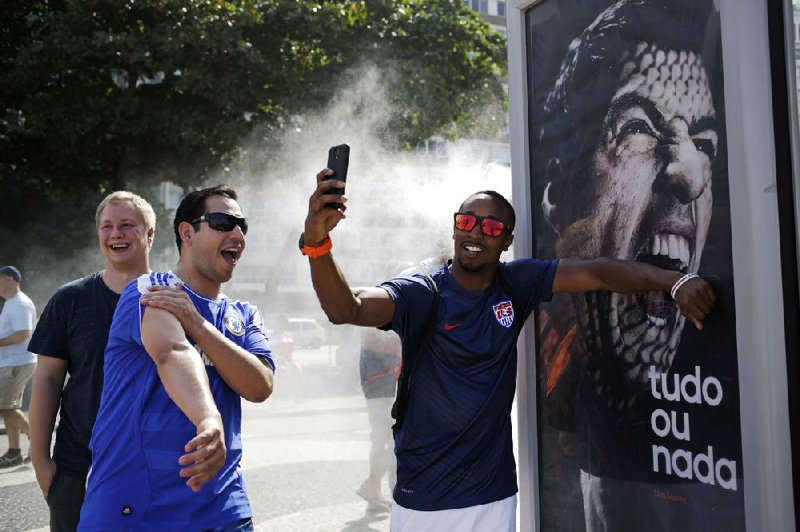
column 234, row 324
column 504, row 313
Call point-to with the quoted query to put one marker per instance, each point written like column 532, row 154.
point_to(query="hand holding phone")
column 338, row 161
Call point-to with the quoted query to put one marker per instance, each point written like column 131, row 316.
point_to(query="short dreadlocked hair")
column 512, row 222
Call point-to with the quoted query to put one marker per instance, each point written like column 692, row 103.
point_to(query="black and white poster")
column 638, row 411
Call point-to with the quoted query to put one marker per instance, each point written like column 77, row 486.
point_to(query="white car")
column 306, row 332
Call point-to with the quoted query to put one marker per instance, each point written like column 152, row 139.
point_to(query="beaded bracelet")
column 680, row 282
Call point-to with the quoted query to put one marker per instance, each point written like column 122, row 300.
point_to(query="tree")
column 442, row 61
column 108, row 94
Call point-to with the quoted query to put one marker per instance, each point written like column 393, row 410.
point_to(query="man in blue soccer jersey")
column 166, row 445
column 455, row 464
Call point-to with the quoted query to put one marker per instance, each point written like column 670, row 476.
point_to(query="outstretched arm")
column 369, row 306
column 695, row 297
column 184, row 377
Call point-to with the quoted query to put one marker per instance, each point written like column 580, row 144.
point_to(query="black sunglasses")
column 221, row 221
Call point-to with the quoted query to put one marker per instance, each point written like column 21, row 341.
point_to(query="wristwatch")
column 315, row 252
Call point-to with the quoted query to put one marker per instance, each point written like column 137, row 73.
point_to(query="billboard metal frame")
column 785, row 115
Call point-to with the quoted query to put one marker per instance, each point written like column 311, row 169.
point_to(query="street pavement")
column 304, row 457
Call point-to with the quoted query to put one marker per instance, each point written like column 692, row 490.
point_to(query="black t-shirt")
column 74, row 327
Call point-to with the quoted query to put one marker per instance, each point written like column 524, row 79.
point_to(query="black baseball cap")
column 11, row 271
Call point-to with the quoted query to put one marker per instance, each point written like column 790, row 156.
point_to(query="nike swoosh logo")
column 448, row 327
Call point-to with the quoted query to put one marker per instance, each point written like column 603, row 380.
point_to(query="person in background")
column 16, row 362
column 70, row 339
column 379, row 366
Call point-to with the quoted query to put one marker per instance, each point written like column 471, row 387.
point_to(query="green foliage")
column 101, row 95
column 440, row 58
column 105, row 93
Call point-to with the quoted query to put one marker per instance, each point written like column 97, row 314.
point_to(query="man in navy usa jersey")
column 455, row 465
column 166, row 445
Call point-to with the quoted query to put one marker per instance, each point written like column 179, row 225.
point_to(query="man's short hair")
column 11, row 271
column 193, row 206
column 572, row 113
column 512, row 221
column 139, row 204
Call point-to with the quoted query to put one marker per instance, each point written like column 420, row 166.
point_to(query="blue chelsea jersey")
column 454, row 449
column 140, row 433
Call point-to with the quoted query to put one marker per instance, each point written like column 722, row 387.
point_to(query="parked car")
column 306, row 332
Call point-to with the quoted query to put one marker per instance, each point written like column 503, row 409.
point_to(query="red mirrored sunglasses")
column 489, row 226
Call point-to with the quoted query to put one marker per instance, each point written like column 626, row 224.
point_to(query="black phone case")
column 338, row 161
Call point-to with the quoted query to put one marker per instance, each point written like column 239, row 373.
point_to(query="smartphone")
column 338, row 161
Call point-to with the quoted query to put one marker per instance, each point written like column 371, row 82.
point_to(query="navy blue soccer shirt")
column 454, row 449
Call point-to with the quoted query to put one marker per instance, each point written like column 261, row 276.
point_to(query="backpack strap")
column 411, row 360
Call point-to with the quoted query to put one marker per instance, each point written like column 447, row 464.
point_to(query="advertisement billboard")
column 638, row 412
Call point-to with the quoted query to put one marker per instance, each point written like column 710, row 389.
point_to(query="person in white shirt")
column 16, row 362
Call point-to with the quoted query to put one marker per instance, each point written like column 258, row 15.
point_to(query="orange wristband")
column 315, row 252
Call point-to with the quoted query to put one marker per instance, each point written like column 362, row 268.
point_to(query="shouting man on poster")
column 630, row 134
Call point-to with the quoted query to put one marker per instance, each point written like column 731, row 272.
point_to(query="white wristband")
column 680, row 282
